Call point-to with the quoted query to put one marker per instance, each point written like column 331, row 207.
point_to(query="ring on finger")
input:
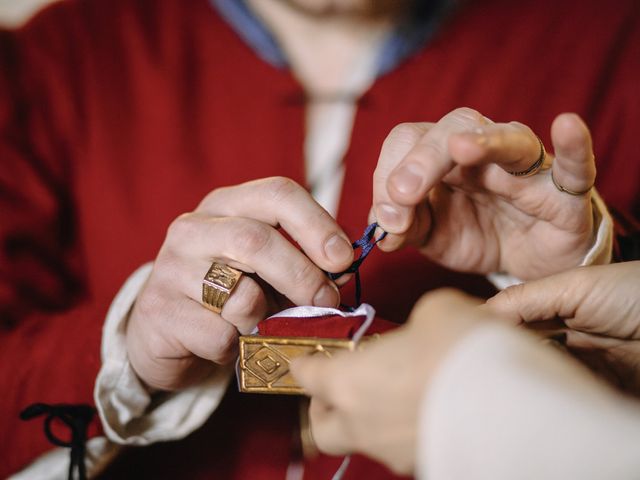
column 575, row 193
column 536, row 166
column 218, row 284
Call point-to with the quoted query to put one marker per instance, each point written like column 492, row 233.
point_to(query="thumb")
column 574, row 167
column 544, row 299
column 310, row 373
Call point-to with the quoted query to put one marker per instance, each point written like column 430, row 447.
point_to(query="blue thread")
column 365, row 244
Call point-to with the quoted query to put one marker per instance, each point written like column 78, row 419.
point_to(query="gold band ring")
column 218, row 284
column 566, row 190
column 535, row 167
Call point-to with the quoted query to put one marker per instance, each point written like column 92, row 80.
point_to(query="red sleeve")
column 614, row 117
column 626, row 240
column 49, row 333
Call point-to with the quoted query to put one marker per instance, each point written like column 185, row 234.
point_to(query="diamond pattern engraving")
column 267, row 365
column 264, row 361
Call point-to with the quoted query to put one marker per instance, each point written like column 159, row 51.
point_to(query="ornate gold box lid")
column 263, row 366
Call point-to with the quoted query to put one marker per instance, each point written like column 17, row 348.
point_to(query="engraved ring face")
column 218, row 284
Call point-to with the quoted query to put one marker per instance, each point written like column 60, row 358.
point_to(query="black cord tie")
column 365, row 244
column 77, row 418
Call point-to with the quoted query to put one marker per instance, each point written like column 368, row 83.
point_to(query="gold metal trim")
column 264, row 361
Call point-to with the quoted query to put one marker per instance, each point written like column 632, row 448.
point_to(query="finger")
column 313, row 375
column 439, row 304
column 429, row 160
column 204, row 333
column 249, row 245
column 280, row 201
column 246, row 306
column 544, row 299
column 513, row 146
column 574, row 167
column 328, row 428
column 416, row 235
column 585, row 340
column 391, row 216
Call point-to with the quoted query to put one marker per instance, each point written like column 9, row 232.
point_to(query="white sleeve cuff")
column 124, row 404
column 503, row 406
column 599, row 254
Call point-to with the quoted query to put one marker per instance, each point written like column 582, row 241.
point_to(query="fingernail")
column 407, row 179
column 477, row 136
column 388, row 216
column 327, row 296
column 338, row 250
column 480, row 136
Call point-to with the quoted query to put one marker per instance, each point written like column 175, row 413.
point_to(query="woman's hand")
column 599, row 308
column 368, row 401
column 445, row 188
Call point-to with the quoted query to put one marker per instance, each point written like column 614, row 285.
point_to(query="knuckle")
column 512, row 293
column 405, row 133
column 430, row 149
column 467, row 113
column 212, row 197
column 182, row 227
column 167, row 266
column 281, row 188
column 322, row 220
column 520, row 126
column 525, row 130
column 507, row 301
column 499, row 139
column 307, row 277
column 150, row 304
column 252, row 237
column 427, row 151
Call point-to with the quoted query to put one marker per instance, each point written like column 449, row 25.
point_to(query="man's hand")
column 600, row 308
column 445, row 188
column 368, row 401
column 172, row 340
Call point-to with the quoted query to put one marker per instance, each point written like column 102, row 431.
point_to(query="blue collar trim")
column 403, row 42
column 251, row 30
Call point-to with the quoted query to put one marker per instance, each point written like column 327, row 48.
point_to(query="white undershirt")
column 328, row 132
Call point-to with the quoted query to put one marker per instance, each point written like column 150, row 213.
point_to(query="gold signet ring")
column 218, row 284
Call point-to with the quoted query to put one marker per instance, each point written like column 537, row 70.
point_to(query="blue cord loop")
column 365, row 244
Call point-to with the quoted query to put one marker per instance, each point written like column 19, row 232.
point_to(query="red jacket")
column 116, row 116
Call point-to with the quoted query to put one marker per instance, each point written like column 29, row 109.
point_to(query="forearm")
column 502, row 407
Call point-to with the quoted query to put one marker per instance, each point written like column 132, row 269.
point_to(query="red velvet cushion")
column 328, row 326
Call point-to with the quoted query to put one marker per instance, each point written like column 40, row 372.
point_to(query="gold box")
column 264, row 361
